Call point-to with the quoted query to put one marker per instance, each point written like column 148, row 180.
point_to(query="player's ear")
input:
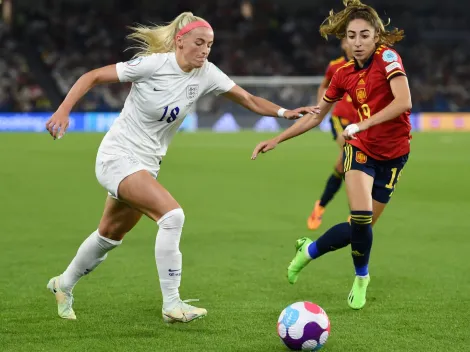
column 376, row 38
column 179, row 42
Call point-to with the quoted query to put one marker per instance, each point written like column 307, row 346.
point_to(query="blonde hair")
column 337, row 23
column 159, row 39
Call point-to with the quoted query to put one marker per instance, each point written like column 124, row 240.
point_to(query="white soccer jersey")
column 161, row 96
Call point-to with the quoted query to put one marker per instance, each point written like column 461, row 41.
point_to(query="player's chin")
column 361, row 54
column 198, row 63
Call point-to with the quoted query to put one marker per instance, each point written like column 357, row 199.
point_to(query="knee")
column 173, row 219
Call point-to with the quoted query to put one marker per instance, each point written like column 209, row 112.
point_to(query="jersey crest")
column 192, row 91
column 361, row 95
column 361, row 158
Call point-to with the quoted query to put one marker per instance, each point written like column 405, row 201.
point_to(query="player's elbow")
column 406, row 103
column 91, row 78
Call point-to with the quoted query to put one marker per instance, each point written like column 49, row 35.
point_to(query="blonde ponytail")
column 159, row 39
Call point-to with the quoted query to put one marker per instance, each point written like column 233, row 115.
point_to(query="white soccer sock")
column 168, row 256
column 89, row 255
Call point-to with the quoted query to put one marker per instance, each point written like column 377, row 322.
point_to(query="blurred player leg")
column 118, row 219
column 359, row 189
column 144, row 193
column 333, row 184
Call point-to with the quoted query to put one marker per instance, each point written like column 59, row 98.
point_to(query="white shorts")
column 111, row 169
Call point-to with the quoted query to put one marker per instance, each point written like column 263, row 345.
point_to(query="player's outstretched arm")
column 264, row 107
column 59, row 121
column 301, row 126
column 400, row 104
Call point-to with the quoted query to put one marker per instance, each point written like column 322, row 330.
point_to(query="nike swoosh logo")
column 170, row 270
column 157, row 90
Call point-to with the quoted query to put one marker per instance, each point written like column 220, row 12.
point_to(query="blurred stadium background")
column 242, row 216
column 270, row 47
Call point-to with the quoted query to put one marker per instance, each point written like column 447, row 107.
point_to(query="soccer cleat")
column 300, row 260
column 64, row 299
column 315, row 219
column 357, row 296
column 183, row 313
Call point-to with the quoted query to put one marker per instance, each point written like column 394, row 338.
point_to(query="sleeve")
column 218, row 82
column 329, row 72
column 335, row 91
column 392, row 64
column 138, row 69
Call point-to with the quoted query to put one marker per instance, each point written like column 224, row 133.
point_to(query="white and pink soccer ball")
column 303, row 326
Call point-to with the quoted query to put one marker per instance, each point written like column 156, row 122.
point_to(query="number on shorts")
column 173, row 114
column 394, row 174
column 365, row 110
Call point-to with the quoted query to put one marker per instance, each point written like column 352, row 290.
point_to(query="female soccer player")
column 169, row 75
column 377, row 147
column 343, row 114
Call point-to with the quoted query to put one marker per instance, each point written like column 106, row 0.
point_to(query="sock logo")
column 357, row 253
column 174, row 272
column 87, row 271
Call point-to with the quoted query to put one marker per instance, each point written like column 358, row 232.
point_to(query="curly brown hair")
column 337, row 23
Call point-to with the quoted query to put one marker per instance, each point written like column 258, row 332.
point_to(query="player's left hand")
column 263, row 147
column 299, row 112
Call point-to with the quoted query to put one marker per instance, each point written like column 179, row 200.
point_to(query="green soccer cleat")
column 357, row 296
column 300, row 260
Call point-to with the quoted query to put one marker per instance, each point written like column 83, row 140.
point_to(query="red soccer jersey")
column 343, row 108
column 369, row 88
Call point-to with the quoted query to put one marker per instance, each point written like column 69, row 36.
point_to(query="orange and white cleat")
column 315, row 219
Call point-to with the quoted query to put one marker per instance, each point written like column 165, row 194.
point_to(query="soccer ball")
column 303, row 326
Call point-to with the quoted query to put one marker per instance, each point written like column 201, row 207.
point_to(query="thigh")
column 118, row 219
column 114, row 166
column 359, row 177
column 388, row 174
column 359, row 188
column 144, row 193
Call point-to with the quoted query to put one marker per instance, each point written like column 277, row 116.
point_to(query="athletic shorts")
column 386, row 173
column 111, row 169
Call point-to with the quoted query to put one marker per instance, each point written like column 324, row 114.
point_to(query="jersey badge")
column 361, row 158
column 361, row 95
column 134, row 62
column 389, row 56
column 192, row 91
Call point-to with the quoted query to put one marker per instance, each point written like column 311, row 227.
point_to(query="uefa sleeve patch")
column 393, row 66
column 134, row 62
column 389, row 56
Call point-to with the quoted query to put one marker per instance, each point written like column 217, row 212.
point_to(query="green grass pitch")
column 242, row 220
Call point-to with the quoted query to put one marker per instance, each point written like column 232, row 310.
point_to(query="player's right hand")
column 58, row 124
column 263, row 147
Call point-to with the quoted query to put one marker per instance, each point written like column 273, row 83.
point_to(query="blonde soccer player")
column 168, row 75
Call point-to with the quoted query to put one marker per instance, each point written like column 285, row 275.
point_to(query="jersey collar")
column 366, row 65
